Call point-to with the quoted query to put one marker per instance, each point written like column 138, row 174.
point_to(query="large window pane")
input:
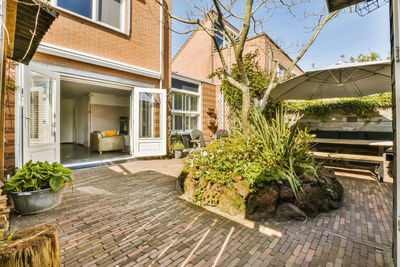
column 178, row 123
column 178, row 101
column 193, row 103
column 193, row 122
column 42, row 110
column 183, row 85
column 81, row 7
column 109, row 12
column 149, row 115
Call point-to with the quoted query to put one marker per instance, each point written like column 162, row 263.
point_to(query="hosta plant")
column 39, row 175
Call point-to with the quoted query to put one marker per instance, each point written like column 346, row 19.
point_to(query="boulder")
column 333, row 188
column 290, row 212
column 324, row 172
column 262, row 203
column 286, row 193
column 311, row 198
column 308, row 179
column 190, row 187
column 212, row 194
column 237, row 178
column 243, row 188
column 232, row 202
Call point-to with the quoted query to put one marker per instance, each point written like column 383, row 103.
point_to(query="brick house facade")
column 136, row 53
column 198, row 58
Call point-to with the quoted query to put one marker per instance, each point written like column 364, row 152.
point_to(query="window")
column 109, row 12
column 222, row 39
column 185, row 106
column 281, row 71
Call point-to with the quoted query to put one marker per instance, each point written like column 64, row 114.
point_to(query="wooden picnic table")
column 381, row 144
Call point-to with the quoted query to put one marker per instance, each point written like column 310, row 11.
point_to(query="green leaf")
column 56, row 183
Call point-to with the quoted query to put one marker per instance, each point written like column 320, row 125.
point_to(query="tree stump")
column 35, row 246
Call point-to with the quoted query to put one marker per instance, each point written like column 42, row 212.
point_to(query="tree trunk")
column 246, row 111
column 35, row 246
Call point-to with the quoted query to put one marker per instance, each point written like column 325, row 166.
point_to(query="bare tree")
column 203, row 17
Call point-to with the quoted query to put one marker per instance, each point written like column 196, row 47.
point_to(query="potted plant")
column 211, row 112
column 38, row 187
column 211, row 123
column 178, row 149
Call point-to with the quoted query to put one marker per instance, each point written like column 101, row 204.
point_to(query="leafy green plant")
column 271, row 154
column 39, row 175
column 363, row 107
column 178, row 146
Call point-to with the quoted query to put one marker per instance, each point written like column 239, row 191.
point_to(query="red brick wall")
column 140, row 46
column 9, row 150
column 68, row 63
column 208, row 101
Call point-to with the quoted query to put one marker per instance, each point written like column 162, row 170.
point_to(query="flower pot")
column 34, row 202
column 178, row 154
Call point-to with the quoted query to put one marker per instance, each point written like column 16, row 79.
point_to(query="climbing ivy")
column 363, row 107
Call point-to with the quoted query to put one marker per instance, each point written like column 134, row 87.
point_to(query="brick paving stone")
column 142, row 221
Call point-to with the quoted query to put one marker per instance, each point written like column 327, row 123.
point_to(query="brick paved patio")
column 130, row 215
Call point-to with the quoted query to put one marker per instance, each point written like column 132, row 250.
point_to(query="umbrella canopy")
column 341, row 80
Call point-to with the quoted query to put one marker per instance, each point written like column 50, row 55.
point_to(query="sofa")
column 100, row 141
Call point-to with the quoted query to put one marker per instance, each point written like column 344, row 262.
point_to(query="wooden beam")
column 11, row 18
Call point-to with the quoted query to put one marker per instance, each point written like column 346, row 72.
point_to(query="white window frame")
column 94, row 18
column 183, row 111
column 221, row 34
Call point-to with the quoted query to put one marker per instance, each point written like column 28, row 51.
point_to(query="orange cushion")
column 111, row 133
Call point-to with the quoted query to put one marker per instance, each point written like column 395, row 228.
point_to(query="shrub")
column 271, row 154
column 39, row 175
column 178, row 146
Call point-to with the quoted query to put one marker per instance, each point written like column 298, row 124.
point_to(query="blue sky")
column 348, row 34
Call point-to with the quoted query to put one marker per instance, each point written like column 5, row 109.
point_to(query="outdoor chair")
column 197, row 138
column 221, row 133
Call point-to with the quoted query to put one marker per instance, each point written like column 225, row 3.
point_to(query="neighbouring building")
column 104, row 65
column 198, row 58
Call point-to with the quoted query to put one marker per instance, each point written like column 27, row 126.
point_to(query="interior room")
column 94, row 122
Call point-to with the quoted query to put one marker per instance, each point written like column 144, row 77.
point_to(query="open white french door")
column 40, row 114
column 149, row 122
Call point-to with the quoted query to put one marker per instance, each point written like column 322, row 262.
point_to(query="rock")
column 237, row 178
column 286, row 193
column 212, row 194
column 311, row 199
column 262, row 203
column 333, row 188
column 291, row 212
column 334, row 204
column 243, row 188
column 203, row 182
column 324, row 205
column 324, row 172
column 190, row 187
column 308, row 179
column 231, row 202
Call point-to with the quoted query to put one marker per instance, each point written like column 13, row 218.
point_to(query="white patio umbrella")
column 341, row 80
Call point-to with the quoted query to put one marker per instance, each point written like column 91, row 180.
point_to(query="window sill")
column 91, row 21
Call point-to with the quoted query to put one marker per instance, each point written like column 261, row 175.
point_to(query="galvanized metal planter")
column 178, row 154
column 27, row 203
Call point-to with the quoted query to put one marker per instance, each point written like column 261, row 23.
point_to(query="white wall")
column 109, row 100
column 106, row 111
column 66, row 117
column 82, row 112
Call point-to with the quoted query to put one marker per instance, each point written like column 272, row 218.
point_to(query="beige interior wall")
column 81, row 120
column 66, row 116
column 106, row 117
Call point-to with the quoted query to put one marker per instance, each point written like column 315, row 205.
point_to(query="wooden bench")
column 381, row 144
column 379, row 160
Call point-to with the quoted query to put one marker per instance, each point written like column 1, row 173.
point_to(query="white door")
column 149, row 122
column 41, row 98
